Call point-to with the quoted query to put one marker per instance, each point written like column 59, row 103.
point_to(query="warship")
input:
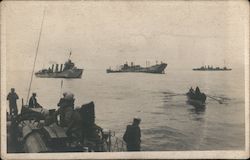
column 157, row 68
column 211, row 68
column 68, row 70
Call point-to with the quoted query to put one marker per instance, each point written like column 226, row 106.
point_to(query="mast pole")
column 31, row 79
column 70, row 53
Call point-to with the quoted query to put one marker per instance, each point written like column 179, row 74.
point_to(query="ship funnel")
column 61, row 68
column 56, row 68
column 52, row 67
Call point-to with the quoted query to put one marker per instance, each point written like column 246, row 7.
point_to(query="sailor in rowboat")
column 197, row 91
column 191, row 90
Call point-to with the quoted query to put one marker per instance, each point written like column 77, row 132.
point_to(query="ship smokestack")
column 56, row 68
column 52, row 67
column 61, row 68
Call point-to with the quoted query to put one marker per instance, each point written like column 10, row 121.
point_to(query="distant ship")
column 211, row 68
column 157, row 68
column 68, row 70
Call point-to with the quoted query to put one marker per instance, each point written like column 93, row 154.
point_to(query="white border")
column 121, row 155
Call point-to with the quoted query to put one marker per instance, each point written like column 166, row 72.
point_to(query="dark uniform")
column 132, row 136
column 33, row 101
column 191, row 90
column 66, row 109
column 12, row 97
column 197, row 91
column 70, row 118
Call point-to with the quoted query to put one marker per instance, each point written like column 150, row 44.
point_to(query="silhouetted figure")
column 33, row 102
column 12, row 98
column 191, row 90
column 132, row 136
column 66, row 105
column 197, row 91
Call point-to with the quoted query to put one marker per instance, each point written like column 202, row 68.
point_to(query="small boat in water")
column 196, row 97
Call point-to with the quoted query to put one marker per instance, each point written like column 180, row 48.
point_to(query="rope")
column 31, row 79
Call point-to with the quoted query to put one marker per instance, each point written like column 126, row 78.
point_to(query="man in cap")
column 33, row 102
column 132, row 136
column 12, row 97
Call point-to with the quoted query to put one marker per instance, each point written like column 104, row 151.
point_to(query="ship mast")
column 70, row 53
column 34, row 64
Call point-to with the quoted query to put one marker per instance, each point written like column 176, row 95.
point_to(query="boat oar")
column 172, row 95
column 220, row 101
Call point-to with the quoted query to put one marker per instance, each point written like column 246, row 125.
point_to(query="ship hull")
column 72, row 73
column 212, row 69
column 157, row 69
column 196, row 100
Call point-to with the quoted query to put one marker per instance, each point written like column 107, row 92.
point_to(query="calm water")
column 168, row 122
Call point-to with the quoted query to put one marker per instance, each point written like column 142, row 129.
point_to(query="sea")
column 168, row 122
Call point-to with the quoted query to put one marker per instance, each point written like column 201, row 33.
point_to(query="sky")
column 184, row 34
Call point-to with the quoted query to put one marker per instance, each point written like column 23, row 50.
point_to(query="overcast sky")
column 101, row 34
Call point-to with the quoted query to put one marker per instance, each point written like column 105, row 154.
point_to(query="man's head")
column 69, row 96
column 12, row 90
column 136, row 121
column 34, row 94
column 64, row 94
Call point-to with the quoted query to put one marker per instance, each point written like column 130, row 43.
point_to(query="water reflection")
column 197, row 109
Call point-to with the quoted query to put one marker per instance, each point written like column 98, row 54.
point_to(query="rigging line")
column 31, row 79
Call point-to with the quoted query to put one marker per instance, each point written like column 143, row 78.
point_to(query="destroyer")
column 157, row 68
column 211, row 68
column 68, row 70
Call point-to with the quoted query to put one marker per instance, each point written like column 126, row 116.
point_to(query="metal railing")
column 117, row 145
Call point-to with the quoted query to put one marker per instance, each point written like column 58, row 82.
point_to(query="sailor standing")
column 66, row 108
column 132, row 136
column 12, row 97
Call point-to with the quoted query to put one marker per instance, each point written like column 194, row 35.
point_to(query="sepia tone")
column 126, row 79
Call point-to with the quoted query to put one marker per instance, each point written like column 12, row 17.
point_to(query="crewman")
column 197, row 91
column 191, row 90
column 66, row 105
column 62, row 104
column 132, row 136
column 33, row 102
column 12, row 98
